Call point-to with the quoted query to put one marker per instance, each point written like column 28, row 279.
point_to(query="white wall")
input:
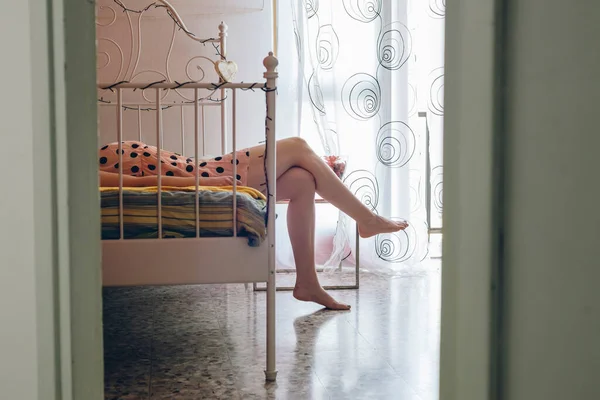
column 552, row 294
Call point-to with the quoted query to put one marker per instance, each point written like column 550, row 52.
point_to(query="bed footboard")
column 182, row 261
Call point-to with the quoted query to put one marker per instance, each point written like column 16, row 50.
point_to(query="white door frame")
column 472, row 219
column 50, row 267
column 470, row 232
column 78, row 282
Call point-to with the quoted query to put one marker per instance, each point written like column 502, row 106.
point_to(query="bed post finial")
column 270, row 62
column 222, row 29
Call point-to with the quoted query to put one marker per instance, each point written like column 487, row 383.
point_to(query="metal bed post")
column 270, row 63
column 182, row 130
column 158, row 156
column 120, row 150
column 234, row 161
column 203, row 130
column 357, row 270
column 423, row 114
column 139, row 115
column 196, row 170
column 223, row 54
column 430, row 230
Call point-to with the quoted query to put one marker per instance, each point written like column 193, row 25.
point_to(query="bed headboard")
column 148, row 41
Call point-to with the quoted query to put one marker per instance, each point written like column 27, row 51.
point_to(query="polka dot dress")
column 139, row 159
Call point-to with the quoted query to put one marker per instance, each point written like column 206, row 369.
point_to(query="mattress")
column 179, row 213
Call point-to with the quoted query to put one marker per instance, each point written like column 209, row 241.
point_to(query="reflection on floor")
column 207, row 342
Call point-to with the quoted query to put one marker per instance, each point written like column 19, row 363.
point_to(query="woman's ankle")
column 307, row 283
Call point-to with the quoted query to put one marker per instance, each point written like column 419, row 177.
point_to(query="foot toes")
column 319, row 296
column 338, row 307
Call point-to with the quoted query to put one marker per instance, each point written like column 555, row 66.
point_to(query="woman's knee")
column 293, row 151
column 298, row 181
column 296, row 144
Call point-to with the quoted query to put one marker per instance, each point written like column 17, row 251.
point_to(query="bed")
column 208, row 230
column 215, row 216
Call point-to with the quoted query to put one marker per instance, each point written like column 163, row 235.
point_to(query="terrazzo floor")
column 207, row 342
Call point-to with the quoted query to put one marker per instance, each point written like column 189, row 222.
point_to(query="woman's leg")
column 298, row 186
column 295, row 152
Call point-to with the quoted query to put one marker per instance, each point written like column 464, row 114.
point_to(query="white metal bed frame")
column 201, row 260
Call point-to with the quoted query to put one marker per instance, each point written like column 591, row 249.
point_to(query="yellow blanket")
column 178, row 212
column 154, row 189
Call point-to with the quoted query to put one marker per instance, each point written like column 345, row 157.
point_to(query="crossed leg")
column 300, row 174
column 298, row 187
column 295, row 152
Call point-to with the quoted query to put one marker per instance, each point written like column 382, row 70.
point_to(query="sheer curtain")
column 363, row 80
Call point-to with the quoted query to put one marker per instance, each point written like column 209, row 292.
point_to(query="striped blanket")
column 179, row 213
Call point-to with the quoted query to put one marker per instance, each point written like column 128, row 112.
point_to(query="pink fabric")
column 139, row 159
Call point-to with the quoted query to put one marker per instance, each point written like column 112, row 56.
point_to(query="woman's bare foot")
column 377, row 225
column 318, row 295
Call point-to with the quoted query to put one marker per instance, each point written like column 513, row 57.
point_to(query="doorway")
column 451, row 296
